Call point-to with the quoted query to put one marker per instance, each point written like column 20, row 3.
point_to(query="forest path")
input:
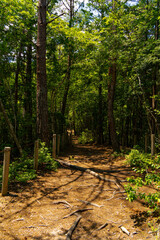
column 42, row 209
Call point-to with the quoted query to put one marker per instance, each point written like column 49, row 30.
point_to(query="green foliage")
column 21, row 169
column 138, row 160
column 148, row 169
column 45, row 159
column 86, row 137
column 117, row 154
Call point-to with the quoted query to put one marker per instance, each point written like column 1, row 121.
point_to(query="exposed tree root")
column 66, row 164
column 89, row 203
column 103, row 226
column 63, row 202
column 77, row 211
column 71, row 230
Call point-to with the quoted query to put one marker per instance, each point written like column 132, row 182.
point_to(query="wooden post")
column 54, row 146
column 67, row 140
column 146, row 143
column 58, row 143
column 152, row 144
column 7, row 151
column 123, row 141
column 62, row 141
column 70, row 139
column 36, row 148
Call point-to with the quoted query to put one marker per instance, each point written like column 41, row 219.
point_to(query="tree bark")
column 16, row 88
column 154, row 91
column 70, row 56
column 111, row 120
column 100, row 117
column 28, row 92
column 67, row 84
column 11, row 129
column 42, row 106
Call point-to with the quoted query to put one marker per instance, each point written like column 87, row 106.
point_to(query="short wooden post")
column 67, row 140
column 152, row 144
column 36, row 149
column 62, row 141
column 58, row 143
column 123, row 141
column 70, row 139
column 54, row 146
column 6, row 161
column 146, row 143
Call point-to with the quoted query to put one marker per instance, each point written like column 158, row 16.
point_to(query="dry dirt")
column 38, row 210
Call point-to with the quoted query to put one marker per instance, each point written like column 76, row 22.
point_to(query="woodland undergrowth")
column 147, row 171
column 22, row 169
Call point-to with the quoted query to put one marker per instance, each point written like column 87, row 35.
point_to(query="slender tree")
column 42, row 106
column 111, row 92
column 70, row 58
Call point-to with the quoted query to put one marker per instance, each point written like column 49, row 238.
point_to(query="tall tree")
column 111, row 90
column 70, row 58
column 28, row 90
column 42, row 106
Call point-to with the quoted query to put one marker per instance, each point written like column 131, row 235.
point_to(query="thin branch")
column 78, row 7
column 65, row 5
column 71, row 230
column 103, row 226
column 111, row 197
column 63, row 202
column 89, row 203
column 48, row 3
column 55, row 18
column 77, row 211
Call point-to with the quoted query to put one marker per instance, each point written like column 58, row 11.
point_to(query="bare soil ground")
column 41, row 209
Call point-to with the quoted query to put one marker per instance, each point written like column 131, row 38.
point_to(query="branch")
column 79, row 7
column 71, row 230
column 55, row 18
column 65, row 5
column 77, row 211
column 89, row 203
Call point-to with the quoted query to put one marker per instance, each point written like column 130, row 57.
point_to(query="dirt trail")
column 42, row 208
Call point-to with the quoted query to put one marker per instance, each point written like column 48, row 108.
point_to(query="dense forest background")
column 91, row 66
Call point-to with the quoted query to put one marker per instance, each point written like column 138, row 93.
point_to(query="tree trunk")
column 154, row 91
column 66, row 90
column 70, row 56
column 11, row 129
column 16, row 88
column 100, row 117
column 28, row 92
column 111, row 120
column 42, row 106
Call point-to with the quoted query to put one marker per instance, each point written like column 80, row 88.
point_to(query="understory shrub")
column 86, row 137
column 21, row 169
column 148, row 170
column 45, row 159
